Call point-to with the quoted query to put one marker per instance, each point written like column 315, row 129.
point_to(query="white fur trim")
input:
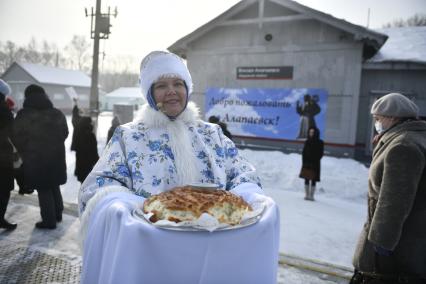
column 156, row 119
column 85, row 217
column 158, row 64
column 180, row 138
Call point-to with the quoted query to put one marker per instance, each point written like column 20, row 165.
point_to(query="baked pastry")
column 188, row 203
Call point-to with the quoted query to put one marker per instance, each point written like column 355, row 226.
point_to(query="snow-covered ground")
column 324, row 230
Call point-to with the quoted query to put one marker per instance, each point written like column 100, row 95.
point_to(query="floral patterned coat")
column 153, row 154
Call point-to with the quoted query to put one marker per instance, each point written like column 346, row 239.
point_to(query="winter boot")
column 306, row 191
column 311, row 193
column 4, row 200
column 8, row 226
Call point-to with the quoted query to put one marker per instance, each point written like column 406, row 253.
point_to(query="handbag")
column 17, row 160
column 307, row 173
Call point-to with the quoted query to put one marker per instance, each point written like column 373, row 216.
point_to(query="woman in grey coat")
column 392, row 244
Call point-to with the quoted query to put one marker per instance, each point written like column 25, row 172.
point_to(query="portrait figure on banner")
column 307, row 111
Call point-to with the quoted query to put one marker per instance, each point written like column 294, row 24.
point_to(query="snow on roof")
column 59, row 76
column 406, row 44
column 126, row 92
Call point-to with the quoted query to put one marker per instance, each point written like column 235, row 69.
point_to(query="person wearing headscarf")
column 85, row 147
column 6, row 156
column 40, row 131
column 392, row 244
column 313, row 150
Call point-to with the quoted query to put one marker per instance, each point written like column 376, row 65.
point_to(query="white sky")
column 144, row 25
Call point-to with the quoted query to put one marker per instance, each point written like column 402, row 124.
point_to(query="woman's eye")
column 160, row 86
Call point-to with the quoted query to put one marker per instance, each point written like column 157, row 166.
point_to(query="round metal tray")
column 138, row 214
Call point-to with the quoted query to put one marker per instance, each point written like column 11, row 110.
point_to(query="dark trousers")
column 312, row 182
column 4, row 200
column 51, row 205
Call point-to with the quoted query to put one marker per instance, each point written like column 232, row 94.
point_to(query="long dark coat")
column 396, row 204
column 75, row 120
column 6, row 149
column 86, row 148
column 313, row 150
column 40, row 131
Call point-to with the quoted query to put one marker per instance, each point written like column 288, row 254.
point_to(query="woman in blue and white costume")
column 167, row 145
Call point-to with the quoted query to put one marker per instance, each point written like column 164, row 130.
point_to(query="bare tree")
column 414, row 21
column 48, row 54
column 32, row 55
column 79, row 53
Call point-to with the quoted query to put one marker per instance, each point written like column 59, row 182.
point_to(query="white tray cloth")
column 119, row 248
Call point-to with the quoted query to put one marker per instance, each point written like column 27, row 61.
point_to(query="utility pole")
column 100, row 29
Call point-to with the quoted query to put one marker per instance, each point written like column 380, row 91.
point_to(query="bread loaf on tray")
column 188, row 203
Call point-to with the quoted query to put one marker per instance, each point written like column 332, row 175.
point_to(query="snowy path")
column 325, row 230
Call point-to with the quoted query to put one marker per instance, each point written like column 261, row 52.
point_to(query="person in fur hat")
column 392, row 244
column 166, row 146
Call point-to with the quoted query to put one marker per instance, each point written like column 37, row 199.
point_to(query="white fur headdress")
column 159, row 64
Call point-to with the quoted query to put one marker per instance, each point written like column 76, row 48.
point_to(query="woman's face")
column 386, row 121
column 170, row 95
column 311, row 132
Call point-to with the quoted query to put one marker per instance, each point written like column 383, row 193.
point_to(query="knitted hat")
column 4, row 88
column 395, row 105
column 162, row 64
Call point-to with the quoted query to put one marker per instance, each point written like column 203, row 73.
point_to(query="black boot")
column 4, row 200
column 8, row 226
column 42, row 225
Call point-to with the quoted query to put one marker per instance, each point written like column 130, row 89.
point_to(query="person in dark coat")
column 40, row 131
column 307, row 112
column 214, row 119
column 392, row 243
column 85, row 147
column 6, row 156
column 75, row 120
column 114, row 123
column 313, row 150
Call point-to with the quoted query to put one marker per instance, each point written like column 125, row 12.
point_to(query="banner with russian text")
column 268, row 113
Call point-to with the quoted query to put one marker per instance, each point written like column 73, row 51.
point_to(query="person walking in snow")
column 6, row 156
column 40, row 131
column 392, row 244
column 75, row 120
column 114, row 123
column 85, row 147
column 313, row 150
